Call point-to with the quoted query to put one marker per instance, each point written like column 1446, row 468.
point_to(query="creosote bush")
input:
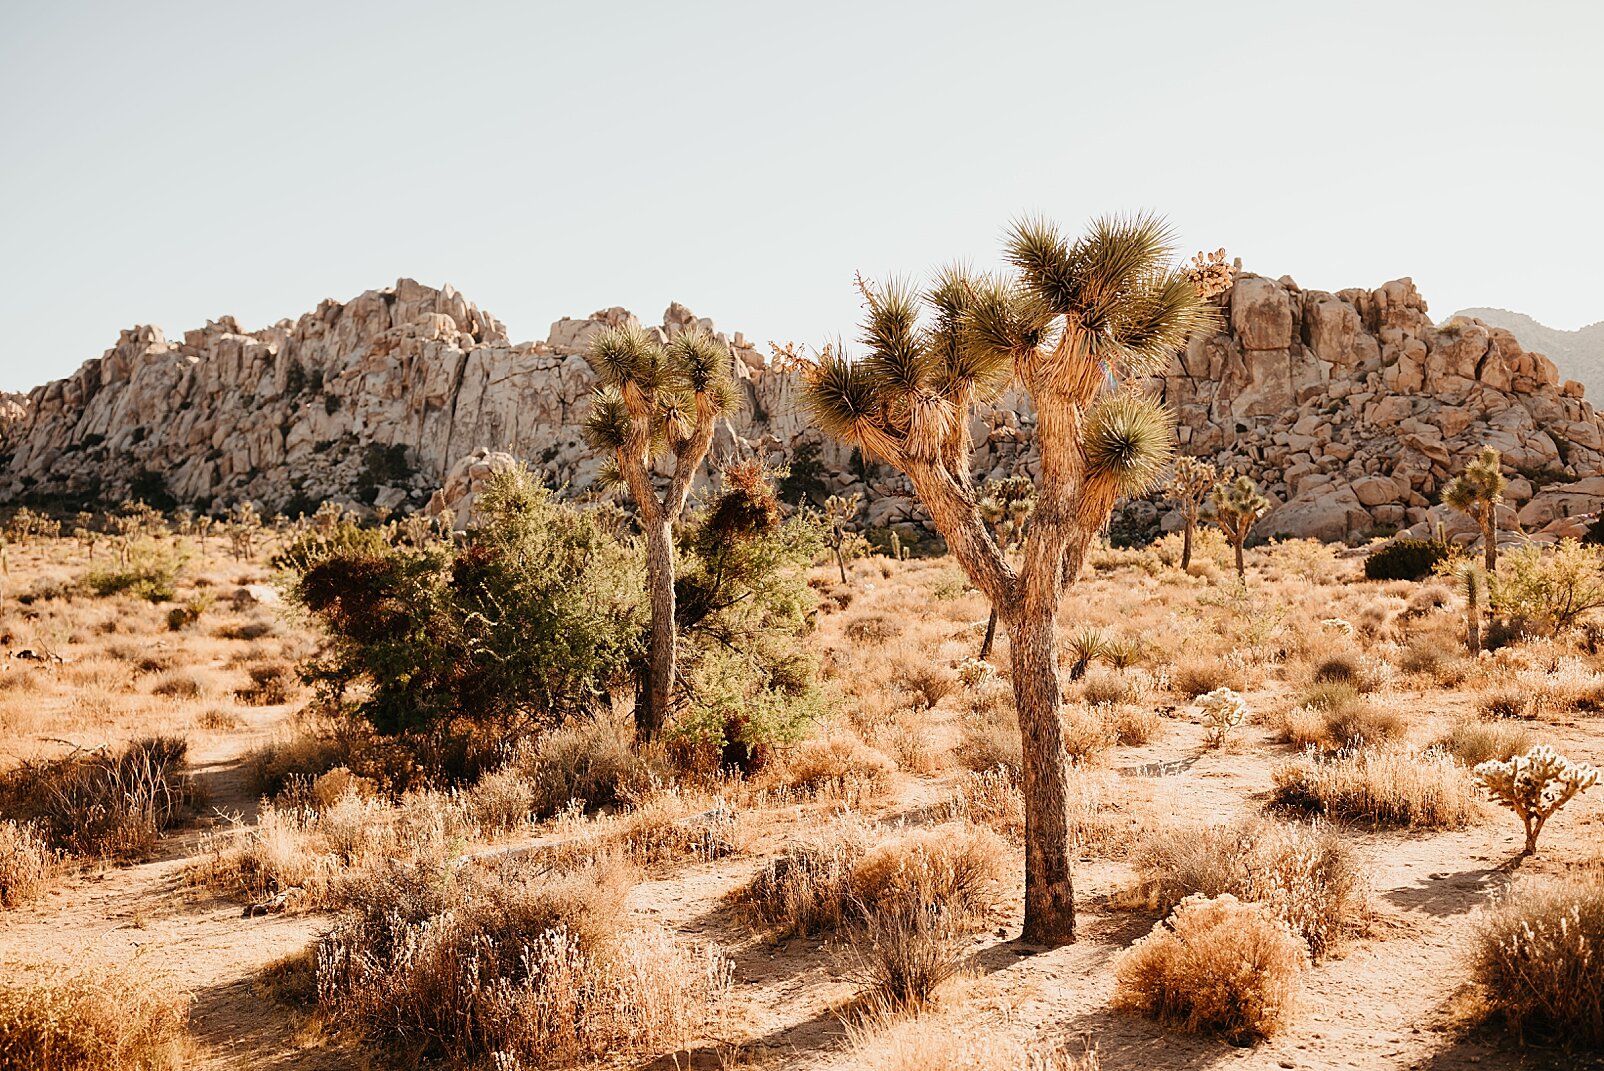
column 1217, row 965
column 1407, row 559
column 1537, row 957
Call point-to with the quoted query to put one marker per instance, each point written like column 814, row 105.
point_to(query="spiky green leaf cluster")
column 1115, row 288
column 1128, row 439
column 1069, row 316
column 668, row 384
column 1480, row 486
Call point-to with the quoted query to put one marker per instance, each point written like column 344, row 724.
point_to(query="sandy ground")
column 1384, row 1004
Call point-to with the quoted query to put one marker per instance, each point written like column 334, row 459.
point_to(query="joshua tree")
column 658, row 400
column 1074, row 322
column 1007, row 506
column 1236, row 507
column 1191, row 480
column 839, row 513
column 1476, row 493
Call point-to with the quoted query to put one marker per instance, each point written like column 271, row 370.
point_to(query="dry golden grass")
column 1538, row 955
column 1309, row 876
column 103, row 804
column 512, row 959
column 27, row 863
column 1216, row 965
column 1388, row 786
column 889, row 1041
column 94, row 1021
column 835, row 766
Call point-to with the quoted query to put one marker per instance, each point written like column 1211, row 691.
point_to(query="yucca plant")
column 1191, row 480
column 1476, row 492
column 658, row 399
column 1076, row 322
column 1236, row 507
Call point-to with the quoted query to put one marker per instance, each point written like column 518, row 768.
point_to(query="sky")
column 171, row 162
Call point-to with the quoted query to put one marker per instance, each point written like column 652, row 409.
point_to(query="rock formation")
column 1579, row 352
column 1350, row 409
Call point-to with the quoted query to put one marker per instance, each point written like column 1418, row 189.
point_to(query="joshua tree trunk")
column 1186, row 544
column 840, row 561
column 1473, row 628
column 1241, row 570
column 1049, row 877
column 991, row 635
column 656, row 700
column 1489, row 534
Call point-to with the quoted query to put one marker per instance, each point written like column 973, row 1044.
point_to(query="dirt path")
column 147, row 916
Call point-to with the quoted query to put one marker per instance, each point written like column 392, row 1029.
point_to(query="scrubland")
column 198, row 869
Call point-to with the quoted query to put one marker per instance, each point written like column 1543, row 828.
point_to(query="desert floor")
column 1395, row 996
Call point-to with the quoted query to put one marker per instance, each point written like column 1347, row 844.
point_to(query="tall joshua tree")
column 1236, row 508
column 1071, row 322
column 658, row 400
column 1191, row 480
column 1477, row 492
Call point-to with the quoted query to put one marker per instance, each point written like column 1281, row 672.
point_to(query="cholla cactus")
column 1535, row 785
column 974, row 672
column 1223, row 710
column 1337, row 624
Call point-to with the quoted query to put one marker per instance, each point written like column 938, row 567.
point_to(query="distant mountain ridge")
column 1579, row 354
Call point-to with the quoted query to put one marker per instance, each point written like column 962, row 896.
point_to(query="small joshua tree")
column 1007, row 506
column 840, row 512
column 1535, row 785
column 658, row 400
column 1223, row 710
column 1476, row 493
column 1191, row 480
column 1236, row 507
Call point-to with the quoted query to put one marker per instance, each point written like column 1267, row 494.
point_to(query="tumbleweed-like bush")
column 1215, row 965
column 1535, row 785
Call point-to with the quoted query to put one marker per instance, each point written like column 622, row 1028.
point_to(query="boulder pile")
column 1350, row 409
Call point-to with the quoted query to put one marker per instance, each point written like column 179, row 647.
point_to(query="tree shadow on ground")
column 235, row 1025
column 1446, row 894
column 1130, row 1042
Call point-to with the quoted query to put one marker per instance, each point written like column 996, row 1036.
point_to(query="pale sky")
column 170, row 162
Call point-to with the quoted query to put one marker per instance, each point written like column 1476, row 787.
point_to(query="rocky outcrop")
column 1350, row 409
column 1353, row 409
column 1579, row 353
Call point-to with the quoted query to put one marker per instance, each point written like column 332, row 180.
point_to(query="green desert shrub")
column 1407, row 559
column 526, row 623
column 1546, row 591
column 151, row 573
